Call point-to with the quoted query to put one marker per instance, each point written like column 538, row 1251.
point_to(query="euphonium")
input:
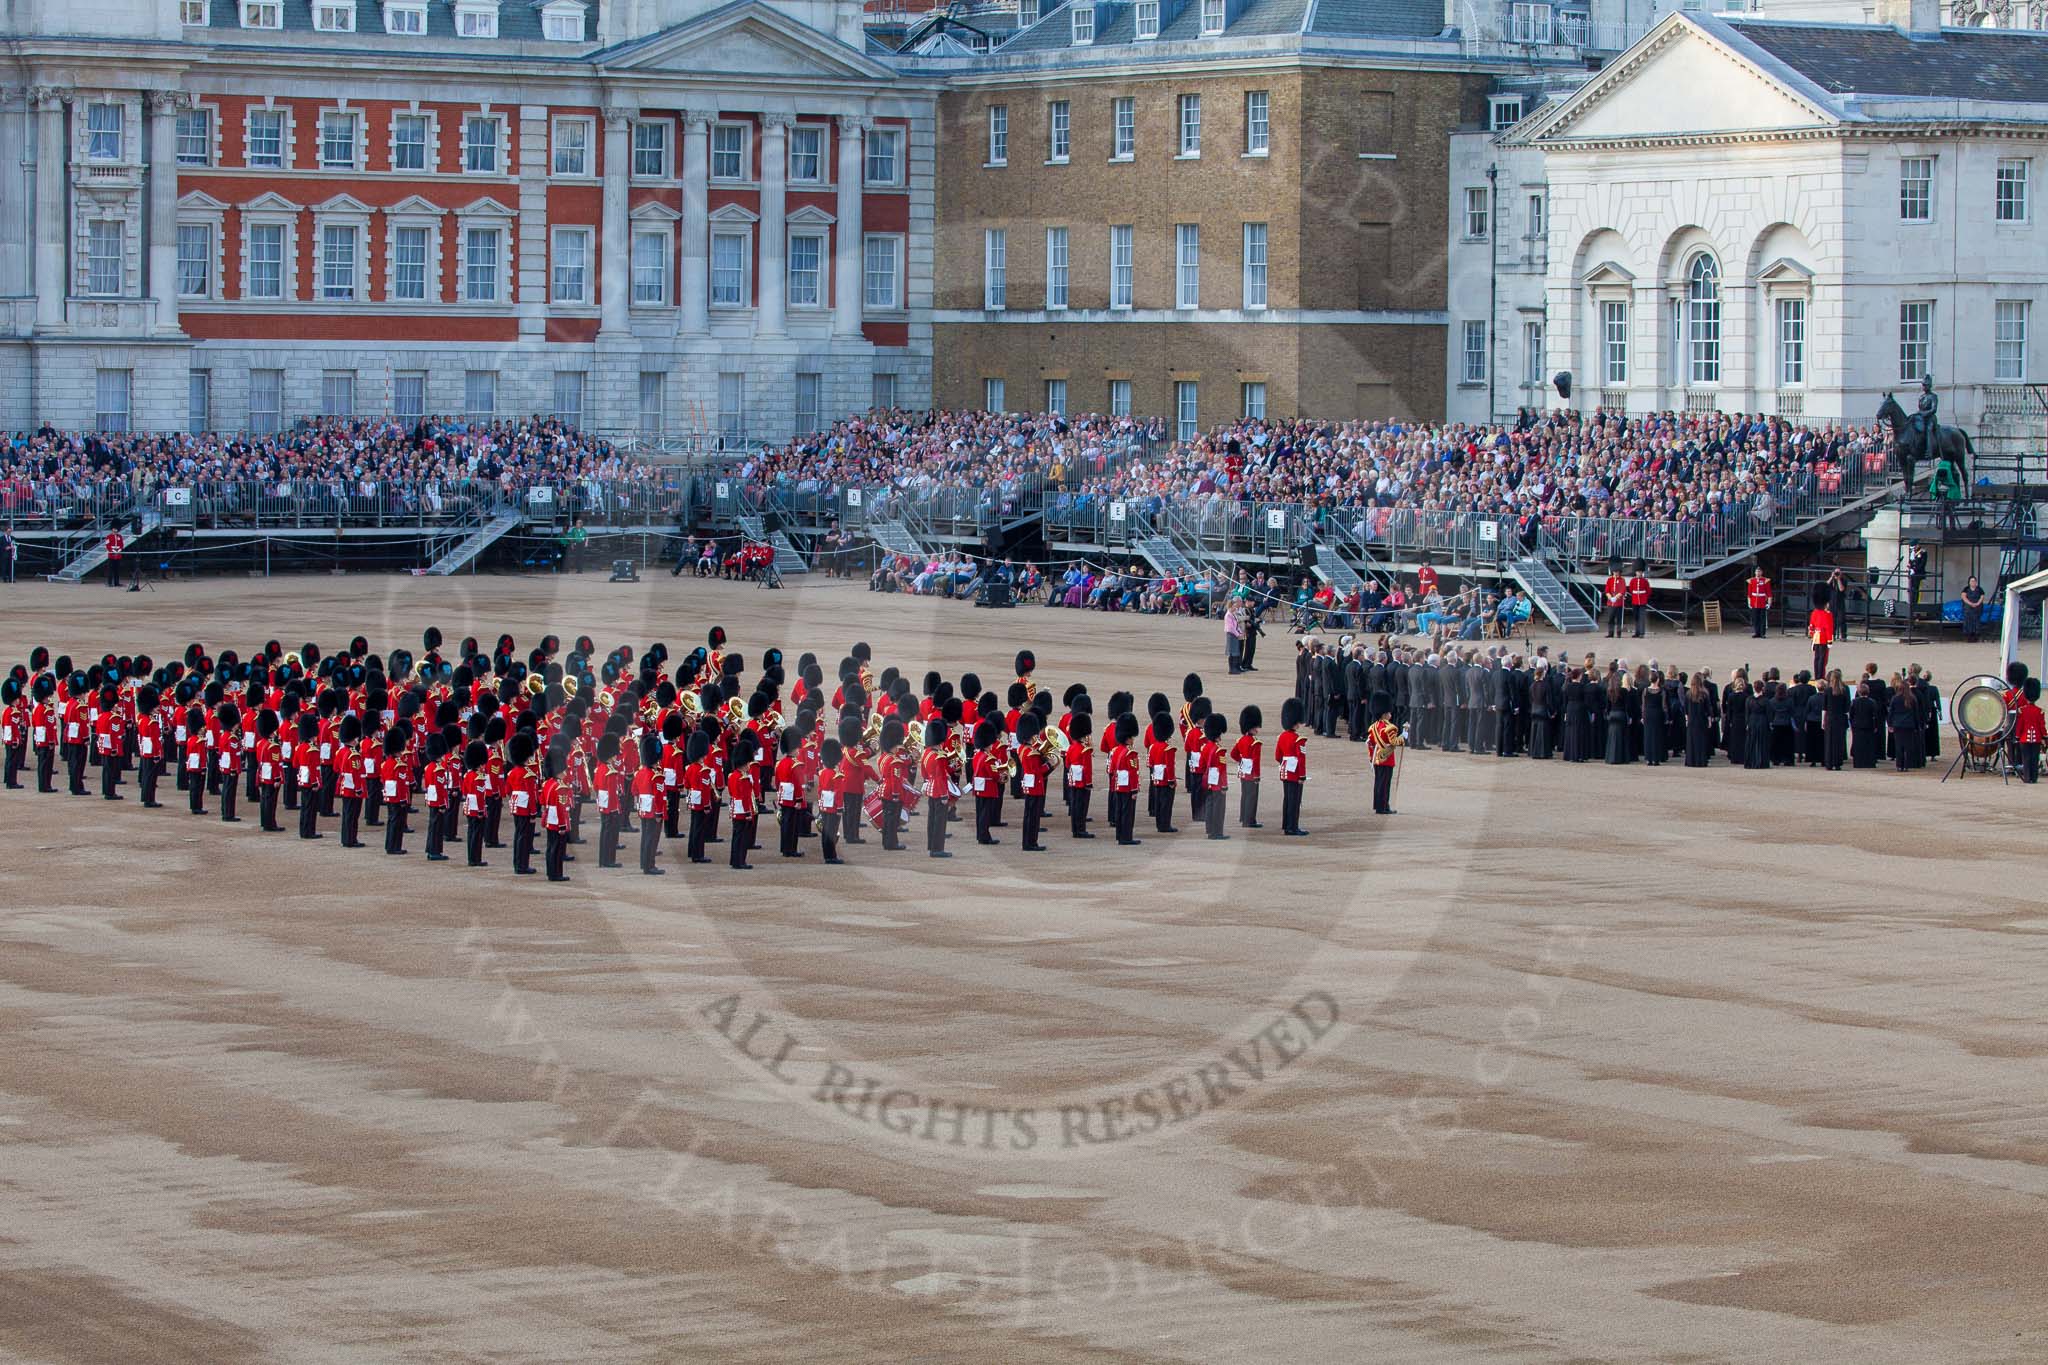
column 1048, row 746
column 691, row 706
column 735, row 714
column 570, row 687
column 872, row 731
column 536, row 683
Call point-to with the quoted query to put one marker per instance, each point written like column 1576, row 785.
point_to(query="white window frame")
column 1255, row 240
column 1532, row 353
column 473, row 382
column 877, row 140
column 1059, row 132
column 578, row 382
column 1056, row 397
column 811, row 288
column 559, row 137
column 993, row 398
column 194, row 13
column 653, row 402
column 1538, row 215
column 1258, row 123
column 658, row 273
column 1916, row 339
column 732, row 404
column 998, row 135
column 2009, row 198
column 1122, row 266
column 1472, row 347
column 1187, row 409
column 2011, row 321
column 1145, row 19
column 1027, row 13
column 1503, row 111
column 199, row 400
column 429, row 143
column 1123, row 116
column 337, row 393
column 570, row 250
column 499, row 239
column 1058, row 262
column 286, row 224
column 208, row 238
column 1478, row 213
column 1614, row 342
column 555, row 22
column 344, row 214
column 1705, row 304
column 744, row 153
column 1916, row 189
column 812, row 134
column 1119, row 398
column 1189, row 123
column 430, row 257
column 408, row 383
column 93, row 263
column 106, row 131
column 334, row 16
column 1083, row 22
column 995, row 269
column 1213, row 18
column 1251, row 400
column 810, row 401
column 734, row 233
column 113, row 400
column 499, row 147
column 266, row 385
column 199, row 120
column 1187, row 266
column 478, row 20
column 283, row 115
column 1788, row 317
column 1530, row 23
column 649, row 146
column 324, row 143
column 881, row 277
column 262, row 14
column 405, row 21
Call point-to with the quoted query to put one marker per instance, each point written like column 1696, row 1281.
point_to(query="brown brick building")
column 1199, row 225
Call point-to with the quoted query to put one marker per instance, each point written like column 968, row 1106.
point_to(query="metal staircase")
column 1339, row 575
column 895, row 539
column 464, row 552
column 93, row 551
column 753, row 528
column 1162, row 554
column 788, row 559
column 1550, row 595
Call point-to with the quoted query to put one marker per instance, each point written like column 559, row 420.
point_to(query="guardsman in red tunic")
column 475, row 800
column 607, row 792
column 1615, row 594
column 351, row 784
column 196, row 751
column 114, row 544
column 673, row 761
column 650, row 805
column 701, row 792
column 1080, row 772
column 1820, row 630
column 1216, row 775
column 1383, row 746
column 1033, row 770
column 742, row 789
column 441, row 783
column 891, row 795
column 44, row 731
column 937, row 782
column 14, row 720
column 268, row 766
column 557, row 801
column 1639, row 599
column 831, row 798
column 394, row 786
column 790, row 791
column 109, row 736
column 1161, row 760
column 306, row 765
column 522, row 797
column 1292, row 755
column 1759, row 602
column 149, row 744
column 2029, row 729
column 985, row 778
column 1124, row 779
column 1245, row 756
column 77, row 739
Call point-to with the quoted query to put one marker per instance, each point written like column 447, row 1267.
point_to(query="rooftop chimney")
column 1917, row 18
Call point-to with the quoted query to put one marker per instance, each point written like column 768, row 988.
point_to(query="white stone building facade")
column 652, row 218
column 1727, row 231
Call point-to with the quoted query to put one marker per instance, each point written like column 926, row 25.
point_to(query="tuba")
column 872, row 731
column 734, row 717
column 691, row 706
column 536, row 683
column 1048, row 747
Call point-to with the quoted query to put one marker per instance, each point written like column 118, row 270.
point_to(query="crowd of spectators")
column 432, row 467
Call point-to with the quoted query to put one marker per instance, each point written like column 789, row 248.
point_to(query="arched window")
column 1703, row 320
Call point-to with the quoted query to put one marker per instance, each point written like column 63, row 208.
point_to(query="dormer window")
column 1084, row 24
column 1212, row 18
column 262, row 14
column 1027, row 13
column 1145, row 17
column 1503, row 112
column 476, row 20
column 562, row 23
column 335, row 18
column 192, row 13
column 405, row 19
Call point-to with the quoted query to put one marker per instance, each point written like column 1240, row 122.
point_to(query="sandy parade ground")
column 1560, row 1064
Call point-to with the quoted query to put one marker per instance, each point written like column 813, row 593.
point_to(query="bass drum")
column 1982, row 719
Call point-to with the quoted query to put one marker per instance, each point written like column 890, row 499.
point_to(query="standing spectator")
column 1972, row 599
column 10, row 550
column 1233, row 636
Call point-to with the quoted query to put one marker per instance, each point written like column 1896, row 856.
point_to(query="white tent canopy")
column 2019, row 592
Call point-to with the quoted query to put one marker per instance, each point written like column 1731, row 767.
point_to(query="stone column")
column 615, row 276
column 164, row 108
column 771, row 273
column 53, row 230
column 847, row 263
column 693, row 288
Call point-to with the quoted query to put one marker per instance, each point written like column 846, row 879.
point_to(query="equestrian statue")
column 1921, row 437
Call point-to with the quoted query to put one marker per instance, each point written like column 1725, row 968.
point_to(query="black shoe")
column 437, row 857
column 1084, row 834
column 1219, row 836
column 1128, row 843
column 744, row 867
column 152, row 805
column 522, row 872
column 854, row 842
column 941, row 853
column 312, row 836
column 654, row 871
column 1170, row 829
column 553, row 878
column 478, row 864
column 1255, row 825
column 1295, row 833
column 988, row 841
column 792, row 855
column 1034, row 848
